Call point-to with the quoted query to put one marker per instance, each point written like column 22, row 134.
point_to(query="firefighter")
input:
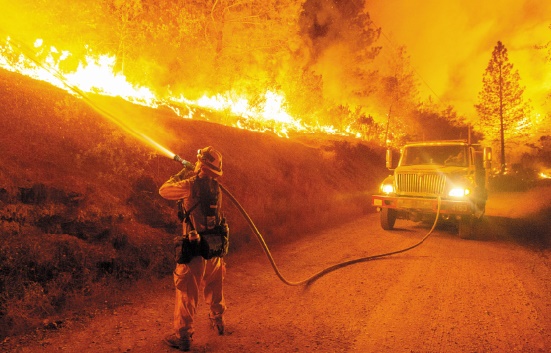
column 203, row 204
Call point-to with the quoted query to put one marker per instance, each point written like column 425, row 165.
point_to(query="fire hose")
column 311, row 279
column 308, row 281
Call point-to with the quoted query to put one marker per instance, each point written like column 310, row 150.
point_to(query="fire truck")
column 448, row 178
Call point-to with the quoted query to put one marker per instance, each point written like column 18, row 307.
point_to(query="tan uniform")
column 189, row 278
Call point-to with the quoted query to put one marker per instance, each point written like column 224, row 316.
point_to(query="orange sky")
column 450, row 43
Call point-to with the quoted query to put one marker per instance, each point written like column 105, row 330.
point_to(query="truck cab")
column 448, row 178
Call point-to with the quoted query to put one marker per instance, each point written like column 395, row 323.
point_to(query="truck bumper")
column 423, row 205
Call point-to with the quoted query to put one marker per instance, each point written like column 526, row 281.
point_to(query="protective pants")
column 188, row 279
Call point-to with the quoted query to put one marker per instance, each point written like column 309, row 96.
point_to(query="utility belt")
column 210, row 243
column 207, row 244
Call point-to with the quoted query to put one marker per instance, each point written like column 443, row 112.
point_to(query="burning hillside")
column 284, row 67
column 280, row 66
column 97, row 75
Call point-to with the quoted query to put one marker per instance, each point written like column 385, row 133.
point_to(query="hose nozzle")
column 183, row 161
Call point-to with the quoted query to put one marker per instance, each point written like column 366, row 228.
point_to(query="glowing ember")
column 96, row 74
column 545, row 174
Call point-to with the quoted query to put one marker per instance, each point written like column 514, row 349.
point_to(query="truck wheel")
column 388, row 218
column 466, row 227
column 479, row 209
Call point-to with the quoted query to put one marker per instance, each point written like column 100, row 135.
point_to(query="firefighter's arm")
column 176, row 187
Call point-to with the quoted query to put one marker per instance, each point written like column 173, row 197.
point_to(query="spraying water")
column 103, row 111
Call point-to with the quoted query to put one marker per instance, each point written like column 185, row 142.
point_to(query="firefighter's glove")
column 182, row 175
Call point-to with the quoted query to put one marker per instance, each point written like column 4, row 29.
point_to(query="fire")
column 272, row 112
column 545, row 174
column 96, row 74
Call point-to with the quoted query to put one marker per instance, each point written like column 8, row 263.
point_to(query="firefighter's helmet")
column 210, row 160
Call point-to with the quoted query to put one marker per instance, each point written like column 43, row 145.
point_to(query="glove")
column 182, row 174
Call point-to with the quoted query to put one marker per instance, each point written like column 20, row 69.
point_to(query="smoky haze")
column 451, row 43
column 336, row 34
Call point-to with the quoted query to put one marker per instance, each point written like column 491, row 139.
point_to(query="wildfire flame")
column 96, row 74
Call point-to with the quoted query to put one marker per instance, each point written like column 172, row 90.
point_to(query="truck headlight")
column 459, row 192
column 387, row 188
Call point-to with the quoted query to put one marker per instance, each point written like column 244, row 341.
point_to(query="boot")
column 182, row 343
column 217, row 321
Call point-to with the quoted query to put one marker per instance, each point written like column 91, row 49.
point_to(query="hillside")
column 80, row 215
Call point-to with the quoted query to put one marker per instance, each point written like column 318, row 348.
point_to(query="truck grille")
column 425, row 184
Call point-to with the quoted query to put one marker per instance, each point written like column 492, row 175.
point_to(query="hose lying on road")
column 325, row 271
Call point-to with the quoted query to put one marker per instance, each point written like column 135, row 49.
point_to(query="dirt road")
column 447, row 295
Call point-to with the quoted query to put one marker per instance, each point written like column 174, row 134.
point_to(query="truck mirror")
column 487, row 157
column 389, row 158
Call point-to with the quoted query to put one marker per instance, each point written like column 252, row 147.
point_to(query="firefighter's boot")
column 182, row 343
column 217, row 322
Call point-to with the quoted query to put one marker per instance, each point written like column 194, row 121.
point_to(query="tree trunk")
column 387, row 125
column 501, row 121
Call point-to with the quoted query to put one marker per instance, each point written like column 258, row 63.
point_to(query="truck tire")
column 388, row 218
column 479, row 209
column 466, row 227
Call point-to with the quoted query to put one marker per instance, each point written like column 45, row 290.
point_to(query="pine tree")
column 399, row 92
column 501, row 107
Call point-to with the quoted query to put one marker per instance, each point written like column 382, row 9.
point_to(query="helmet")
column 210, row 160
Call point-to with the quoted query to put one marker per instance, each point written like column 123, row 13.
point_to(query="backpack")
column 214, row 236
column 206, row 192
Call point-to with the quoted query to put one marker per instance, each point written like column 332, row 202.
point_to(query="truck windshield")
column 455, row 155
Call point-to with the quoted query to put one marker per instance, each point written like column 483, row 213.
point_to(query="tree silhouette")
column 399, row 92
column 501, row 108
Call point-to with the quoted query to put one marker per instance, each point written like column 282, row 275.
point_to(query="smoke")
column 451, row 42
column 14, row 18
column 326, row 23
column 337, row 35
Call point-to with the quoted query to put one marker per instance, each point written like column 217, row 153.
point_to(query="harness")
column 213, row 241
column 183, row 215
